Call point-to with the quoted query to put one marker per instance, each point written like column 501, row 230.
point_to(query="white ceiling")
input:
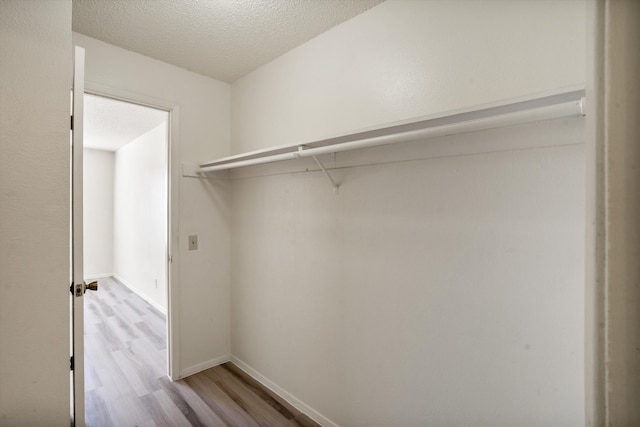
column 222, row 39
column 109, row 124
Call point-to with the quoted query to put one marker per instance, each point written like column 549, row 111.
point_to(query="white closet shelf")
column 564, row 104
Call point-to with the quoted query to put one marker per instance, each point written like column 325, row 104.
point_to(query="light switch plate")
column 193, row 242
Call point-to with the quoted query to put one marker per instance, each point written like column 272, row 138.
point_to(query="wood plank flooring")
column 126, row 382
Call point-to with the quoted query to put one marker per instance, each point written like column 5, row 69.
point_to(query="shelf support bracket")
column 333, row 183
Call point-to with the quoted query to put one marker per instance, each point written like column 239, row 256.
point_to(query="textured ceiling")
column 110, row 124
column 222, row 39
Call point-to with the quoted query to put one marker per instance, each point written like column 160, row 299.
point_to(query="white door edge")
column 77, row 239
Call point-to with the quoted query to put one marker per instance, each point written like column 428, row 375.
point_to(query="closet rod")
column 573, row 108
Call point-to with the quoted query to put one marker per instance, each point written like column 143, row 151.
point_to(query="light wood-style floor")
column 126, row 382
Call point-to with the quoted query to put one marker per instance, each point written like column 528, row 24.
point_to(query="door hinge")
column 71, row 122
column 71, row 365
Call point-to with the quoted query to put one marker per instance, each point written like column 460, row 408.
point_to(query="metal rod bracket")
column 335, row 186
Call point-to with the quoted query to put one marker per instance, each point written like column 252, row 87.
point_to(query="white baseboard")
column 136, row 291
column 204, row 365
column 88, row 277
column 292, row 400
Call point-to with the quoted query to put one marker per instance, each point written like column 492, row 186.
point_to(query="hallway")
column 126, row 382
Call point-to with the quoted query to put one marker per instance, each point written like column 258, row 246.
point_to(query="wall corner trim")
column 89, row 277
column 136, row 291
column 292, row 400
column 203, row 366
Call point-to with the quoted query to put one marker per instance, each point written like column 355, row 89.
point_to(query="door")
column 77, row 273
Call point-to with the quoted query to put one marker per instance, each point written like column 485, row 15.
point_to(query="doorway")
column 126, row 247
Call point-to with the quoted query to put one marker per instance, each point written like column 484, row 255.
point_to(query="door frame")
column 173, row 188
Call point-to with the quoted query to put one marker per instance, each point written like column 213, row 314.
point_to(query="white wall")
column 35, row 71
column 98, row 213
column 140, row 216
column 443, row 291
column 203, row 132
column 403, row 59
